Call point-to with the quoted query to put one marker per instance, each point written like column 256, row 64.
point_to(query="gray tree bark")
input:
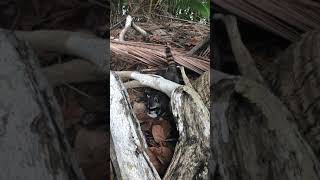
column 33, row 145
column 254, row 135
column 261, row 134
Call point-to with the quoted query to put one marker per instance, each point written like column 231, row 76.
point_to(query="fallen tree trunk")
column 254, row 136
column 129, row 150
column 294, row 78
column 33, row 144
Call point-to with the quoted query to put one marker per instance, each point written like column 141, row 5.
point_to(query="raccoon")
column 159, row 103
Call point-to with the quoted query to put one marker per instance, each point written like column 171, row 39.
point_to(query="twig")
column 185, row 77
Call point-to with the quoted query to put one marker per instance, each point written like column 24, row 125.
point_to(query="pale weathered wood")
column 128, row 147
column 191, row 155
column 82, row 45
column 33, row 145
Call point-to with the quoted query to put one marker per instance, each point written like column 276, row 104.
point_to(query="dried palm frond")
column 287, row 18
column 153, row 55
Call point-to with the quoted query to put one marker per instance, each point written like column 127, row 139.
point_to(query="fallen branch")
column 85, row 46
column 126, row 28
column 242, row 55
column 74, row 71
column 133, row 84
column 153, row 81
column 130, row 23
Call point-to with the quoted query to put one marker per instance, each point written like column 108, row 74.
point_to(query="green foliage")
column 195, row 10
column 190, row 9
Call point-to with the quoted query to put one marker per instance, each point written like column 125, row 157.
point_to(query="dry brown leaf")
column 160, row 158
column 158, row 133
column 164, row 155
column 161, row 131
column 165, row 125
column 154, row 160
column 90, row 149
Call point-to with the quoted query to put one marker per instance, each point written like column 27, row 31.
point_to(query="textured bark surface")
column 294, row 77
column 191, row 155
column 202, row 86
column 128, row 149
column 254, row 135
column 33, row 145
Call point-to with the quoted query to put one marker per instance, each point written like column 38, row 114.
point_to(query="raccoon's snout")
column 152, row 114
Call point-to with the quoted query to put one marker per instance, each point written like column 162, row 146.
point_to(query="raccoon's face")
column 154, row 105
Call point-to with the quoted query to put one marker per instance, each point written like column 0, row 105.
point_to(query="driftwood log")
column 294, row 78
column 33, row 144
column 129, row 150
column 254, row 133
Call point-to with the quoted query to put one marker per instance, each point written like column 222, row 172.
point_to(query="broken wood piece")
column 126, row 28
